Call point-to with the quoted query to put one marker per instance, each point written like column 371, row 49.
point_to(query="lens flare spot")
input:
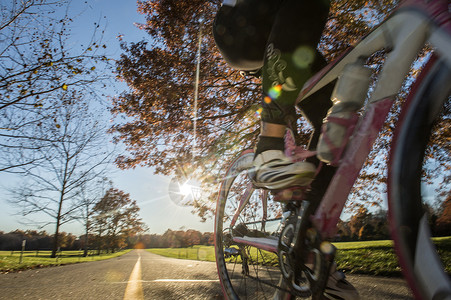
column 326, row 247
column 258, row 112
column 139, row 245
column 275, row 91
column 303, row 56
column 267, row 100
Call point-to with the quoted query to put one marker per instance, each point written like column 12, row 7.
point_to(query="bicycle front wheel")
column 246, row 237
column 419, row 184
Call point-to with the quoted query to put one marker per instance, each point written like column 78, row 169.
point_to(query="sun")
column 186, row 189
column 190, row 188
column 184, row 192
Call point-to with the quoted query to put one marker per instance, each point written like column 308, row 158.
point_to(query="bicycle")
column 292, row 259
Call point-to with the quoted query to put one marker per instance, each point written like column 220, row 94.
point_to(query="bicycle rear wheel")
column 246, row 237
column 420, row 170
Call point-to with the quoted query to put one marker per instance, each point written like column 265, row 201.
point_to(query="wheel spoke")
column 250, row 272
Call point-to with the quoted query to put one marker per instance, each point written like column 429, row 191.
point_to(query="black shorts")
column 241, row 32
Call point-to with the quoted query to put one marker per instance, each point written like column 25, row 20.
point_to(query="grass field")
column 10, row 261
column 369, row 257
column 206, row 253
column 378, row 257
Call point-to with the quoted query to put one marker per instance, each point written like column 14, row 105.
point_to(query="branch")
column 31, row 3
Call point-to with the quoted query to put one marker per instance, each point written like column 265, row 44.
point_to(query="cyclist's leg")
column 290, row 58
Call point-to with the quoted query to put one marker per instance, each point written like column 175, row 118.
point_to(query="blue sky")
column 149, row 190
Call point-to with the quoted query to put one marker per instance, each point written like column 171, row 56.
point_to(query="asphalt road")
column 143, row 275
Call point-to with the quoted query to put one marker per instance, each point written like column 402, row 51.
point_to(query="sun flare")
column 186, row 189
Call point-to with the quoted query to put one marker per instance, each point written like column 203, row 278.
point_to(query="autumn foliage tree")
column 116, row 218
column 160, row 74
column 158, row 124
column 358, row 221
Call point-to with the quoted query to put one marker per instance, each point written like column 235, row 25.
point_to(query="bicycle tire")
column 261, row 277
column 421, row 264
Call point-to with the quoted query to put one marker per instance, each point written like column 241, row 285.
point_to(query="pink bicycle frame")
column 405, row 32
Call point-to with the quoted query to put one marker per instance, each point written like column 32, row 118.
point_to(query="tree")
column 444, row 220
column 67, row 240
column 358, row 220
column 192, row 237
column 90, row 193
column 37, row 64
column 35, row 240
column 366, row 232
column 116, row 218
column 159, row 128
column 164, row 116
column 207, row 239
column 380, row 224
column 343, row 231
column 72, row 145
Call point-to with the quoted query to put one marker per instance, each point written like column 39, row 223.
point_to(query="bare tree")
column 72, row 146
column 38, row 63
column 90, row 194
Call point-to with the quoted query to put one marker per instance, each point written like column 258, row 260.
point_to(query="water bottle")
column 348, row 97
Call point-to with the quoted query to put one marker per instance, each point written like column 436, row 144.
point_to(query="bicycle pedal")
column 289, row 194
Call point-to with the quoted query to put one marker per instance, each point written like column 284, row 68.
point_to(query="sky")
column 149, row 190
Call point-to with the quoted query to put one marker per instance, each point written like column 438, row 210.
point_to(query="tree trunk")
column 58, row 221
column 99, row 240
column 85, row 251
column 56, row 239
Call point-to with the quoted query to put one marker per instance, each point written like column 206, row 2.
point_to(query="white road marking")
column 185, row 280
column 167, row 280
column 134, row 290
